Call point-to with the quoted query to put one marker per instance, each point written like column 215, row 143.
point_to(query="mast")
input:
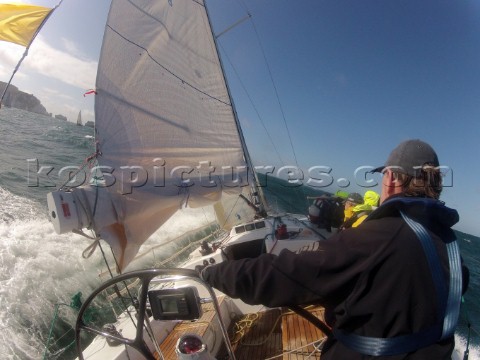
column 255, row 185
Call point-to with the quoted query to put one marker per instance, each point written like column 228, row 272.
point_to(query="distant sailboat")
column 79, row 118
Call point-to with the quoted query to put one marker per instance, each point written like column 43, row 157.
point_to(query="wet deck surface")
column 256, row 336
column 274, row 334
column 301, row 336
column 198, row 327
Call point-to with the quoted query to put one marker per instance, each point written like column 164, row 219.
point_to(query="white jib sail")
column 165, row 126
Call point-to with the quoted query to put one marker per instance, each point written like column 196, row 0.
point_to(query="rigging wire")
column 273, row 84
column 249, row 17
column 243, row 4
column 252, row 103
column 281, row 108
column 87, row 162
column 279, row 102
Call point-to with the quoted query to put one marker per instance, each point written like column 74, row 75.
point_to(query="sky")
column 316, row 83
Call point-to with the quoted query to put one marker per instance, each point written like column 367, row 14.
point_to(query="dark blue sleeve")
column 255, row 281
column 289, row 278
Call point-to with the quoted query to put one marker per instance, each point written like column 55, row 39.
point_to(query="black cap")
column 355, row 198
column 409, row 156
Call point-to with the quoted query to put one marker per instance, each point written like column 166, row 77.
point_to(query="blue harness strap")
column 433, row 263
column 374, row 346
column 455, row 291
column 448, row 305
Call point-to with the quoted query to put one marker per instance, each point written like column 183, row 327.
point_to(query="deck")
column 274, row 334
column 300, row 337
column 198, row 327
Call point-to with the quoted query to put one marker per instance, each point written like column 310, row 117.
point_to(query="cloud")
column 58, row 78
column 10, row 54
column 68, row 67
column 60, row 65
column 70, row 46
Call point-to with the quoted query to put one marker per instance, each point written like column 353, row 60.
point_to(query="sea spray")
column 38, row 269
column 160, row 246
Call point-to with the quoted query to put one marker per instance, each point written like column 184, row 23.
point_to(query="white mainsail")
column 165, row 126
column 79, row 118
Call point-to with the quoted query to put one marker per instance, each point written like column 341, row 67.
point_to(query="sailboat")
column 79, row 118
column 168, row 138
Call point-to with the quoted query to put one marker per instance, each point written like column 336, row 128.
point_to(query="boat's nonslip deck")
column 198, row 327
column 256, row 336
column 274, row 334
column 301, row 339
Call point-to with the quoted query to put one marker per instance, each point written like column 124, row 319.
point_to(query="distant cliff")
column 21, row 100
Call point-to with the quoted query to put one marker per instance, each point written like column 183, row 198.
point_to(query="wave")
column 460, row 346
column 38, row 268
column 71, row 137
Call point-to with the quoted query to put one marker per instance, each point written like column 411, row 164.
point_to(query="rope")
column 86, row 162
column 64, row 348
column 247, row 322
column 469, row 326
column 242, row 325
column 50, row 332
column 317, row 344
column 75, row 304
column 55, row 315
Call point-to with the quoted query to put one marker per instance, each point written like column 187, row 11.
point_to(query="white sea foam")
column 460, row 345
column 180, row 223
column 38, row 269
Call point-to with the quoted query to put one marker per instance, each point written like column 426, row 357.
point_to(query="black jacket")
column 375, row 278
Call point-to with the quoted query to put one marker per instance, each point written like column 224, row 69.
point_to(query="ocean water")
column 40, row 271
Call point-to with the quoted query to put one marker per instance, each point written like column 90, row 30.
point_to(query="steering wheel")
column 145, row 277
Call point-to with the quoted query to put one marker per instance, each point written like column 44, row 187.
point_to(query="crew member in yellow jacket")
column 357, row 208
